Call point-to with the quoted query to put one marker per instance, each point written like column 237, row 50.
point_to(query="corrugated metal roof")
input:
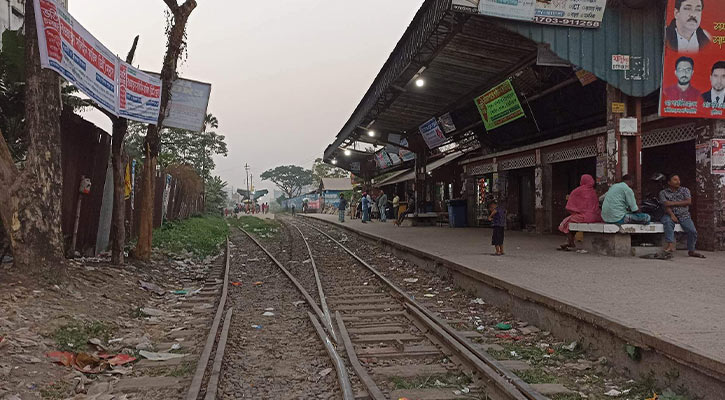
column 626, row 31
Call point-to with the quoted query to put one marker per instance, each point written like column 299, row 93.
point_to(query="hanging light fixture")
column 371, row 133
column 420, row 82
column 348, row 152
column 334, row 161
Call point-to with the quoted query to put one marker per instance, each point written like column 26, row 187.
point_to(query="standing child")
column 497, row 217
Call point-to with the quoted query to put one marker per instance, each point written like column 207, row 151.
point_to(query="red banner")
column 693, row 80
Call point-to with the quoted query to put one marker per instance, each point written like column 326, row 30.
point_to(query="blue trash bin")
column 457, row 217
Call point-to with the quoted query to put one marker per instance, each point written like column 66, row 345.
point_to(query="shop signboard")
column 432, row 133
column 574, row 13
column 70, row 50
column 499, row 106
column 693, row 80
column 718, row 156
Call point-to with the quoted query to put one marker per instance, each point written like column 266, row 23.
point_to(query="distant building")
column 12, row 14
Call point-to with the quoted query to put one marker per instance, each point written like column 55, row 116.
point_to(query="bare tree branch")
column 132, row 52
column 172, row 4
column 187, row 8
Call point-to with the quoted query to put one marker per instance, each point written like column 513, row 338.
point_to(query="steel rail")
column 294, row 280
column 213, row 386
column 503, row 379
column 321, row 293
column 372, row 388
column 343, row 377
column 201, row 366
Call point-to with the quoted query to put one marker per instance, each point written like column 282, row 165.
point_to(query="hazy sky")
column 285, row 75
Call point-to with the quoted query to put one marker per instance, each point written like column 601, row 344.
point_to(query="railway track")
column 392, row 342
column 396, row 347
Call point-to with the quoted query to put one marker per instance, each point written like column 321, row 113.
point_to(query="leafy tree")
column 179, row 146
column 215, row 195
column 12, row 94
column 322, row 170
column 177, row 18
column 289, row 178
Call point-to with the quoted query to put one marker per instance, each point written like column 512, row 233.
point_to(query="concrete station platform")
column 676, row 307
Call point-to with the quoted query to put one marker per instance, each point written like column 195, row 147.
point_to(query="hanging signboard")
column 67, row 48
column 406, row 155
column 432, row 133
column 139, row 95
column 585, row 77
column 510, row 9
column 446, row 123
column 188, row 105
column 574, row 13
column 499, row 106
column 693, row 81
column 394, row 158
column 718, row 156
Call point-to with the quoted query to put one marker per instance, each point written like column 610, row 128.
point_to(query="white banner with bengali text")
column 67, row 48
column 139, row 95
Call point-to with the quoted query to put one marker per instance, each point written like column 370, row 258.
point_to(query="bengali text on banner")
column 67, row 48
column 499, row 106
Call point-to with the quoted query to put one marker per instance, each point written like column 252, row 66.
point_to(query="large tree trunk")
column 152, row 143
column 146, row 209
column 118, row 225
column 118, row 221
column 32, row 198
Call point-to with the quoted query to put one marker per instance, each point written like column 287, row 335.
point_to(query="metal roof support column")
column 638, row 148
column 612, row 167
column 421, row 177
column 709, row 192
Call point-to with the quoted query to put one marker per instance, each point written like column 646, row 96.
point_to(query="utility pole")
column 246, row 168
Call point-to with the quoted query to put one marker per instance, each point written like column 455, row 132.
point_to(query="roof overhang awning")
column 461, row 56
column 409, row 175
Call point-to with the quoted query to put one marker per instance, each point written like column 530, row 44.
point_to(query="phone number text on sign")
column 567, row 22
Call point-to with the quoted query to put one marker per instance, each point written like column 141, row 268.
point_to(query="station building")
column 574, row 91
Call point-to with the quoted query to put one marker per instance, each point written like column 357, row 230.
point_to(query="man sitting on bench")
column 620, row 206
column 677, row 200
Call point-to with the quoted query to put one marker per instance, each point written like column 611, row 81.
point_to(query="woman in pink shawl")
column 583, row 205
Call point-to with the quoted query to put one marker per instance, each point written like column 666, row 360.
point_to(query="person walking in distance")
column 370, row 207
column 396, row 206
column 365, row 208
column 497, row 216
column 341, row 207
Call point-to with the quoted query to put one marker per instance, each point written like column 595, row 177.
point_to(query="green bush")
column 200, row 236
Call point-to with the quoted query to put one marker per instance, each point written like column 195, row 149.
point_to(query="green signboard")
column 499, row 106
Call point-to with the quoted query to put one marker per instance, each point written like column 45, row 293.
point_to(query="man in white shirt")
column 715, row 97
column 684, row 33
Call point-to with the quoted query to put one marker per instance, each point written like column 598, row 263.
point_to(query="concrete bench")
column 424, row 219
column 616, row 240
